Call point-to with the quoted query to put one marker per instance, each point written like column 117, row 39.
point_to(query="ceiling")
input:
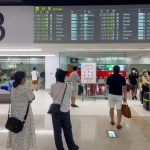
column 68, row 2
column 133, row 50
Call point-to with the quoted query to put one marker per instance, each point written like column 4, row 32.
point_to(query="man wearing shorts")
column 74, row 86
column 35, row 75
column 115, row 84
column 133, row 81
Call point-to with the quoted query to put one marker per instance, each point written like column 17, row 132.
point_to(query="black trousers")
column 62, row 121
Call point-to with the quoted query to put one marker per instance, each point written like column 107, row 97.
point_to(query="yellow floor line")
column 141, row 122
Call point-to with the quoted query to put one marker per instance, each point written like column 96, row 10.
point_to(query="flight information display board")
column 94, row 24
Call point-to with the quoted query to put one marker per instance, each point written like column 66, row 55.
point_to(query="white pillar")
column 51, row 64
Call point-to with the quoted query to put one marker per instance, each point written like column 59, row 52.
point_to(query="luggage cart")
column 94, row 91
column 89, row 92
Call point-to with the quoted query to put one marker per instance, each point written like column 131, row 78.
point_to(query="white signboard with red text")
column 88, row 73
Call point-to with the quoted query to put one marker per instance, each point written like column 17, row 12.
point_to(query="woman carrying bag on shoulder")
column 21, row 97
column 61, row 94
column 145, row 81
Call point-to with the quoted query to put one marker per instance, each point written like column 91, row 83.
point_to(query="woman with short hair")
column 21, row 96
column 62, row 120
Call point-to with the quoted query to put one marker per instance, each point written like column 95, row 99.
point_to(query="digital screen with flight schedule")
column 92, row 24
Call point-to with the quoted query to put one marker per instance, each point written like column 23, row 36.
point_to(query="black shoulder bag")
column 55, row 108
column 14, row 124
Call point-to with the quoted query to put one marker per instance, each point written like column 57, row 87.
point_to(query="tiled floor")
column 90, row 122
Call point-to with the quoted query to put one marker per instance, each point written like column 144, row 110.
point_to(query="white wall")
column 51, row 64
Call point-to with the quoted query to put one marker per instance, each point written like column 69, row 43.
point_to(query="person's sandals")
column 112, row 123
column 119, row 126
column 74, row 105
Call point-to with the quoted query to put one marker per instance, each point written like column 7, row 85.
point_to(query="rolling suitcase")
column 140, row 95
column 146, row 100
column 80, row 89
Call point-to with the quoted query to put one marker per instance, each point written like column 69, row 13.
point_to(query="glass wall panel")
column 9, row 65
column 63, row 61
column 104, row 61
column 6, row 70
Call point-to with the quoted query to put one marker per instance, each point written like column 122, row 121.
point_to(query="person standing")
column 62, row 120
column 74, row 86
column 133, row 80
column 145, row 81
column 115, row 84
column 35, row 75
column 21, row 96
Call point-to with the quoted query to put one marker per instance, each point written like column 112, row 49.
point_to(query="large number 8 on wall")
column 2, row 30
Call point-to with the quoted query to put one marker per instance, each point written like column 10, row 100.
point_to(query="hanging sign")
column 88, row 73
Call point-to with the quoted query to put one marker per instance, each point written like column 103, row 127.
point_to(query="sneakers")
column 74, row 105
column 76, row 147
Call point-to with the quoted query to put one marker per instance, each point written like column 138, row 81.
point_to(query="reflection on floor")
column 90, row 122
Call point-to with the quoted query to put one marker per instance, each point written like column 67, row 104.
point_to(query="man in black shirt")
column 115, row 83
column 133, row 81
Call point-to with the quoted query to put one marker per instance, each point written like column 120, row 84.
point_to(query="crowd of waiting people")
column 21, row 95
column 135, row 79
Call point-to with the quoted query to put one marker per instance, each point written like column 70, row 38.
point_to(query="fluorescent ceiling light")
column 27, row 55
column 102, row 49
column 19, row 50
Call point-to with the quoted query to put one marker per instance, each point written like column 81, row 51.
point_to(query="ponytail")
column 18, row 76
column 15, row 84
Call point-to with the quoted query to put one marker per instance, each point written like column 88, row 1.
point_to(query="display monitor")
column 110, row 67
column 92, row 24
column 74, row 60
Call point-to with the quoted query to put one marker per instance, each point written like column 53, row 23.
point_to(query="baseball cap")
column 60, row 74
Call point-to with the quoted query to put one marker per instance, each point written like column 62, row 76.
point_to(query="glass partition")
column 104, row 62
column 9, row 65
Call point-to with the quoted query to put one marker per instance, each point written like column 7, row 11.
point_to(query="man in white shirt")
column 74, row 86
column 35, row 75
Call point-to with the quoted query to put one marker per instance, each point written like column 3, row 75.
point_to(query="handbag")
column 55, row 108
column 126, row 112
column 15, row 125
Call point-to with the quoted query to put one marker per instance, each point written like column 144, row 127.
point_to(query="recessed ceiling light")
column 19, row 50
